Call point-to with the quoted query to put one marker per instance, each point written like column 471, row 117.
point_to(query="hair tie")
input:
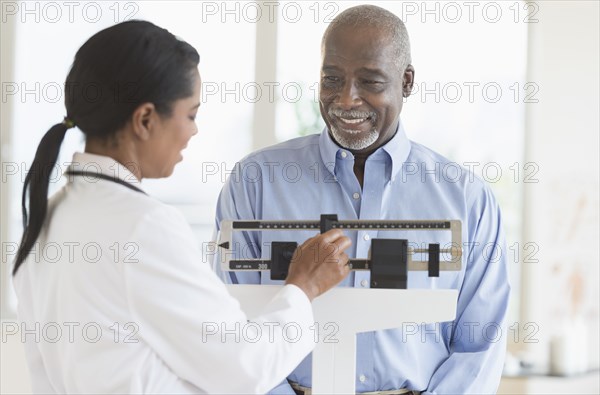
column 68, row 123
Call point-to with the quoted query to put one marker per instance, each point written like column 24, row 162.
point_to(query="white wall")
column 14, row 377
column 562, row 137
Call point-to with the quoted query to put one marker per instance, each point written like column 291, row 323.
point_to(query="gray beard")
column 343, row 138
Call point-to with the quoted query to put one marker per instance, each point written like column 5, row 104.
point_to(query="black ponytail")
column 37, row 181
column 125, row 65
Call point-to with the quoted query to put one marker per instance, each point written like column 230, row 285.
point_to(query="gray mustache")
column 352, row 114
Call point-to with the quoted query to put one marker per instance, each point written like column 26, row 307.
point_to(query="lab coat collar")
column 100, row 164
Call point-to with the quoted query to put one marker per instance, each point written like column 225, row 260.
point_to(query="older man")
column 362, row 166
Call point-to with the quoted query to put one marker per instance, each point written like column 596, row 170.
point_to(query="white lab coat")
column 114, row 266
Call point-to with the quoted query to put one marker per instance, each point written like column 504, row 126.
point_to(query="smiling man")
column 362, row 166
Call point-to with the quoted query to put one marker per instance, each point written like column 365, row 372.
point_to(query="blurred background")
column 509, row 90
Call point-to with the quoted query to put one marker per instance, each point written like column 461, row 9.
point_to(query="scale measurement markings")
column 301, row 225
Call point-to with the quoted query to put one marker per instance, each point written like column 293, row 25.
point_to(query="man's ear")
column 143, row 120
column 408, row 79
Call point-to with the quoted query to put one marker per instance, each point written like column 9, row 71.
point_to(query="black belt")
column 301, row 390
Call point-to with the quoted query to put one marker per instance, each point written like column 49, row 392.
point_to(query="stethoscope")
column 104, row 177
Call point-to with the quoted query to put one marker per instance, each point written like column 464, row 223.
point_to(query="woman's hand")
column 320, row 263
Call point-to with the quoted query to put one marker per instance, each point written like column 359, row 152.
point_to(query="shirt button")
column 356, row 195
column 364, row 284
column 362, row 378
column 366, row 237
column 344, row 154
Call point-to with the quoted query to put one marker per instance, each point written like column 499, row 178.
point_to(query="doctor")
column 114, row 296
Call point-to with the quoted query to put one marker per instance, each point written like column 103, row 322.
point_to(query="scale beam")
column 396, row 253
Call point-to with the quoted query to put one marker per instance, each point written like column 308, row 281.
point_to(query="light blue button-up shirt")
column 309, row 176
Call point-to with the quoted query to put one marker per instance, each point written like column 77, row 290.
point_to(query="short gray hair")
column 382, row 19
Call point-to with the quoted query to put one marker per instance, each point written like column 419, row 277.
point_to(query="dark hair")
column 115, row 71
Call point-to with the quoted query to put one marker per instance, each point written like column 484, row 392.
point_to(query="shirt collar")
column 397, row 148
column 100, row 164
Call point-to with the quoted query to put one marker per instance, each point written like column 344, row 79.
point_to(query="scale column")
column 334, row 364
